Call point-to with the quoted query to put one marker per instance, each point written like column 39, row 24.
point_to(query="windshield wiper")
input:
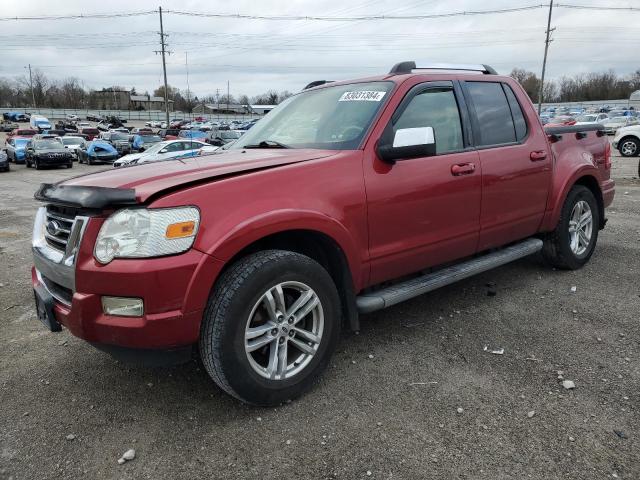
column 268, row 144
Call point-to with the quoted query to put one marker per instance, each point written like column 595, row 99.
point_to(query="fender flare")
column 278, row 221
column 552, row 215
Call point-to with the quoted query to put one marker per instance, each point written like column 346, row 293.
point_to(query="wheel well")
column 592, row 184
column 324, row 250
column 633, row 137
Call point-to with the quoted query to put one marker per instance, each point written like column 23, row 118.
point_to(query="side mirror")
column 141, row 149
column 407, row 143
column 164, row 150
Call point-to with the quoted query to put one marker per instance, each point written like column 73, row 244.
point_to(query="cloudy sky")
column 255, row 55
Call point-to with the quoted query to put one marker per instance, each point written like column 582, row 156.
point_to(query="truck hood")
column 148, row 179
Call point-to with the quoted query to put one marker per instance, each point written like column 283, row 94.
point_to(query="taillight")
column 607, row 156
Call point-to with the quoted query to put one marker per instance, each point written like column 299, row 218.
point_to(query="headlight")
column 143, row 233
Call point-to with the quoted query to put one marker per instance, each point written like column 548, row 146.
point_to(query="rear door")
column 516, row 166
column 424, row 211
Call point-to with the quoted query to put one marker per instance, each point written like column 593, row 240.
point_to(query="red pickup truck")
column 347, row 198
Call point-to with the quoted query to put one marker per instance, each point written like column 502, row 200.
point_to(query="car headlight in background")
column 143, row 233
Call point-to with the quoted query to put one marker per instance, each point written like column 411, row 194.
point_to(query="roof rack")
column 408, row 67
column 317, row 83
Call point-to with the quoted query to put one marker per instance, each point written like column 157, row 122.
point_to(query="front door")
column 424, row 211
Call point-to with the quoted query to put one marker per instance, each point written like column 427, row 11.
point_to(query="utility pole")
column 544, row 61
column 227, row 95
column 164, row 52
column 186, row 64
column 33, row 95
column 218, row 98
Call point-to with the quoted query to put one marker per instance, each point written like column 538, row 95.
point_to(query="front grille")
column 58, row 224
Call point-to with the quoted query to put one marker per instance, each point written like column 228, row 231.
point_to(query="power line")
column 358, row 18
column 80, row 16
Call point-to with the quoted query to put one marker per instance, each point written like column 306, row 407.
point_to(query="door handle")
column 538, row 155
column 462, row 169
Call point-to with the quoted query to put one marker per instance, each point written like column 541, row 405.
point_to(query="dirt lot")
column 388, row 407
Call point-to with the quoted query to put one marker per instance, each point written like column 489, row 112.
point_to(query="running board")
column 370, row 302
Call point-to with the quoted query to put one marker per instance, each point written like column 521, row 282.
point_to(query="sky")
column 257, row 55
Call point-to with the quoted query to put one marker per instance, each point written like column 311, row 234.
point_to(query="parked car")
column 169, row 150
column 153, row 124
column 614, row 123
column 55, row 132
column 48, row 152
column 90, row 132
column 193, row 134
column 627, row 141
column 119, row 140
column 94, row 117
column 74, row 144
column 169, row 133
column 4, row 161
column 222, row 137
column 22, row 132
column 40, row 123
column 347, row 198
column 8, row 125
column 98, row 151
column 16, row 148
column 66, row 126
column 81, row 125
column 141, row 131
column 592, row 118
column 561, row 121
column 71, row 118
column 143, row 141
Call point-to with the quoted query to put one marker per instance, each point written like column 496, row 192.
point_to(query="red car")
column 561, row 120
column 332, row 206
column 89, row 133
column 22, row 132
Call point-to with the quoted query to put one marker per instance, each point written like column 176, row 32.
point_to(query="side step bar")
column 370, row 302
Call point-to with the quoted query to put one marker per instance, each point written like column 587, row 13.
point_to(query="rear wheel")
column 270, row 327
column 629, row 147
column 571, row 244
column 36, row 164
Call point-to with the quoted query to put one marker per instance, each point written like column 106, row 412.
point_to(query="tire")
column 70, row 165
column 89, row 162
column 571, row 251
column 240, row 298
column 37, row 165
column 27, row 164
column 629, row 147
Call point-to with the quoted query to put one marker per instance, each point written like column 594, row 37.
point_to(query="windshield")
column 119, row 136
column 229, row 135
column 587, row 118
column 619, row 119
column 335, row 118
column 21, row 142
column 150, row 138
column 46, row 144
column 42, row 122
column 72, row 141
column 156, row 148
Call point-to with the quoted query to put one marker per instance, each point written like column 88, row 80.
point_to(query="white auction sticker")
column 364, row 96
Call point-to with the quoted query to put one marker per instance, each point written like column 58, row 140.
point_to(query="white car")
column 168, row 150
column 613, row 124
column 72, row 118
column 74, row 144
column 627, row 141
column 592, row 119
column 82, row 125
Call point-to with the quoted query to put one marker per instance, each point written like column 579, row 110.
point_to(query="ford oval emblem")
column 53, row 227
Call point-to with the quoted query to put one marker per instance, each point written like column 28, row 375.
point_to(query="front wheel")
column 571, row 244
column 629, row 147
column 270, row 327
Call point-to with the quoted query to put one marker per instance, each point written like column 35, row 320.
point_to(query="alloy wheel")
column 284, row 330
column 580, row 227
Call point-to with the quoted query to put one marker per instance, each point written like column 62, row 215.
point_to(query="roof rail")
column 317, row 83
column 408, row 67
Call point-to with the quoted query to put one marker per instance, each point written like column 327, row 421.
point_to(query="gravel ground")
column 413, row 396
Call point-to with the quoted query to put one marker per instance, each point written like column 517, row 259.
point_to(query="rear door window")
column 516, row 113
column 495, row 124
